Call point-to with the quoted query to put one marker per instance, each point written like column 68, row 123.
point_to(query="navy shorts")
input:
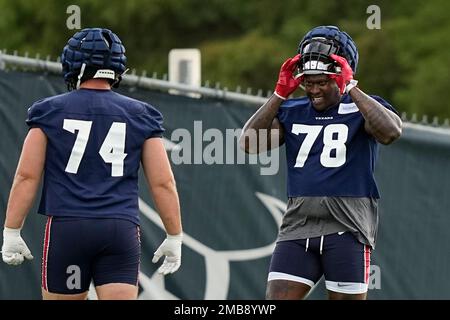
column 340, row 257
column 80, row 250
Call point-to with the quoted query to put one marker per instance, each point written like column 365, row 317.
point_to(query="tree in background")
column 243, row 43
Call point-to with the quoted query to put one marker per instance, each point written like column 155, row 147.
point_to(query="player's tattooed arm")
column 383, row 124
column 263, row 130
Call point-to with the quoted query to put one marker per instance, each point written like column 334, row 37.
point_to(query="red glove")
column 286, row 83
column 346, row 74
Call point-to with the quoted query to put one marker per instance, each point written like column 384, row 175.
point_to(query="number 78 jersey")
column 328, row 153
column 94, row 147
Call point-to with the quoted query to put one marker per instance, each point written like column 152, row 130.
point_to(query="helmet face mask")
column 93, row 53
column 315, row 57
column 317, row 46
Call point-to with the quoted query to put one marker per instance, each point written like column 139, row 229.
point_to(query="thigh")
column 119, row 262
column 294, row 270
column 65, row 263
column 333, row 295
column 117, row 291
column 346, row 264
column 286, row 290
column 57, row 296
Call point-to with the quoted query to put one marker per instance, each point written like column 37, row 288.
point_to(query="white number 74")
column 112, row 150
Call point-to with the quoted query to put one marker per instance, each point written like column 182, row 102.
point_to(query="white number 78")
column 329, row 144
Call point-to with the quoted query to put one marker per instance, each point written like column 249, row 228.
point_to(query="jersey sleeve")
column 281, row 114
column 38, row 115
column 153, row 120
column 386, row 104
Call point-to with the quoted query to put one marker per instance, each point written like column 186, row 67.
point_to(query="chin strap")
column 119, row 78
column 80, row 75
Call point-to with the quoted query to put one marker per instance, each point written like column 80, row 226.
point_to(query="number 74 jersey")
column 94, row 147
column 328, row 153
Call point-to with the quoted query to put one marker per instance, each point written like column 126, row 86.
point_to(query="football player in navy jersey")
column 89, row 143
column 331, row 137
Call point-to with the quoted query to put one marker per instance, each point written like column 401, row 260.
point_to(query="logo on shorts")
column 341, row 284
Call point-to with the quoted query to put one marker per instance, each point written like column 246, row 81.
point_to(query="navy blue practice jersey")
column 328, row 153
column 95, row 139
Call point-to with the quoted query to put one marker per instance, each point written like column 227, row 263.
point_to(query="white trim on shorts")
column 286, row 276
column 347, row 287
column 353, row 287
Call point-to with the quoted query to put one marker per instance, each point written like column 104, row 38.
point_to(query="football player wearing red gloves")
column 332, row 137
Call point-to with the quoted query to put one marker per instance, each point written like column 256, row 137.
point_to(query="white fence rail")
column 142, row 81
column 134, row 80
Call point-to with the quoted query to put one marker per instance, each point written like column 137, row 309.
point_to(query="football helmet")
column 317, row 46
column 93, row 53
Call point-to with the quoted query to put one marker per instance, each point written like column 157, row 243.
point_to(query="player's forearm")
column 167, row 203
column 262, row 119
column 21, row 198
column 382, row 123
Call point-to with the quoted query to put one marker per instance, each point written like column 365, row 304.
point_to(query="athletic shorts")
column 80, row 250
column 340, row 257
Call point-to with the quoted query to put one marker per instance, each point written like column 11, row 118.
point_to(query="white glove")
column 14, row 249
column 171, row 248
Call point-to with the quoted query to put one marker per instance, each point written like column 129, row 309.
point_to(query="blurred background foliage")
column 244, row 42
